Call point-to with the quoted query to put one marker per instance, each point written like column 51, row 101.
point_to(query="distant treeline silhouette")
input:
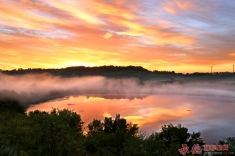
column 121, row 72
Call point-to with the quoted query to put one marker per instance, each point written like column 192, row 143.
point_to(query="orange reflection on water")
column 149, row 111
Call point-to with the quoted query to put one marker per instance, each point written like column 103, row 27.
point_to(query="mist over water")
column 36, row 88
column 200, row 106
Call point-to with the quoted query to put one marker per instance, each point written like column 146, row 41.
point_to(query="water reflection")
column 213, row 116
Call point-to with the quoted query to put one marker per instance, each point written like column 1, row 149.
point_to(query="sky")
column 173, row 35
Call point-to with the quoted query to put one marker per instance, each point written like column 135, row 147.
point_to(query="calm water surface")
column 213, row 116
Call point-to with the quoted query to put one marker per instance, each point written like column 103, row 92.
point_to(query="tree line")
column 123, row 72
column 62, row 133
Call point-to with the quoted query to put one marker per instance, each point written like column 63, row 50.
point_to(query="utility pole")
column 211, row 69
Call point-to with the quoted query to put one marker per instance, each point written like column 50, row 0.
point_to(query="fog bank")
column 36, row 88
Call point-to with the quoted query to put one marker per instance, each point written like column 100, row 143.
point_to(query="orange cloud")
column 120, row 9
column 78, row 9
column 26, row 17
column 108, row 35
column 174, row 6
column 233, row 54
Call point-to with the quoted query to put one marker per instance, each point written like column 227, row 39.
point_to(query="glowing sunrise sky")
column 179, row 35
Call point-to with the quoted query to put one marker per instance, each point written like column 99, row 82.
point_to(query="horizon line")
column 18, row 69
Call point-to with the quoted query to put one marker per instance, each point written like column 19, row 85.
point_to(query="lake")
column 212, row 115
column 205, row 105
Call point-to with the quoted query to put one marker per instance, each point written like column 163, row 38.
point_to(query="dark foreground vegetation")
column 62, row 133
column 126, row 72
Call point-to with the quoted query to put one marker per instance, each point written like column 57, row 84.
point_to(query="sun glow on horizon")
column 74, row 64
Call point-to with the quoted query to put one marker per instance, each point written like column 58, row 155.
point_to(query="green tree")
column 156, row 146
column 174, row 134
column 56, row 133
column 59, row 132
column 110, row 136
column 230, row 141
column 169, row 140
column 11, row 106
